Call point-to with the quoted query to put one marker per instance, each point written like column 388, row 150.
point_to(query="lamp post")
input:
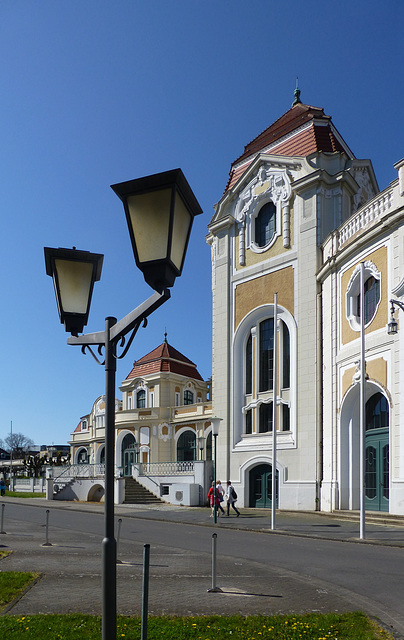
column 215, row 430
column 159, row 210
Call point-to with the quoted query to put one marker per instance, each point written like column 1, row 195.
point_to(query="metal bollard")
column 117, row 540
column 214, row 588
column 2, row 518
column 145, row 591
column 47, row 543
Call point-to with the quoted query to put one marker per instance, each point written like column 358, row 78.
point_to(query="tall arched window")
column 265, row 225
column 141, row 399
column 186, row 446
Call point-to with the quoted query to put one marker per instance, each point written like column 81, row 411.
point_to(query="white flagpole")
column 274, row 411
column 362, row 407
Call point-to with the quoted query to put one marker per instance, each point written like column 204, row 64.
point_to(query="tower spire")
column 296, row 94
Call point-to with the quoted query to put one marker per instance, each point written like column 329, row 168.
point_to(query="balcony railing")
column 166, row 468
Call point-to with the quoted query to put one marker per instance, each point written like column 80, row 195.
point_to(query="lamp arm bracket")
column 135, row 317
column 398, row 303
column 134, row 332
column 86, row 346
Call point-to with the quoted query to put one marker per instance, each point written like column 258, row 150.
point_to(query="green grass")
column 350, row 626
column 24, row 494
column 13, row 583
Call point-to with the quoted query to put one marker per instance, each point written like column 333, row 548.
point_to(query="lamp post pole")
column 109, row 542
column 215, row 430
column 159, row 211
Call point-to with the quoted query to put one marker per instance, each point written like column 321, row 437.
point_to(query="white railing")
column 79, row 471
column 166, row 468
column 370, row 214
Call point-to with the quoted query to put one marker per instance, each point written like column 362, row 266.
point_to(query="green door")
column 261, row 486
column 129, row 458
column 377, row 470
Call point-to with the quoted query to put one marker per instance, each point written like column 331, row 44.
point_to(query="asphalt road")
column 258, row 572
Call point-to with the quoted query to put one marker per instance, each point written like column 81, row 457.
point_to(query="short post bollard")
column 47, row 543
column 145, row 591
column 214, row 588
column 117, row 540
column 2, row 518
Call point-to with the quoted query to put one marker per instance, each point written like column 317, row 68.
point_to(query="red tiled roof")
column 316, row 134
column 164, row 359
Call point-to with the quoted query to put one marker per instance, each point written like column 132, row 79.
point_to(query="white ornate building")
column 298, row 214
column 163, row 430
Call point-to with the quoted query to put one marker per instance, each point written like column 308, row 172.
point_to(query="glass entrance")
column 129, row 454
column 261, row 487
column 377, row 454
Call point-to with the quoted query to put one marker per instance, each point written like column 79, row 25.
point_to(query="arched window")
column 82, row 456
column 265, row 225
column 377, row 412
column 141, row 399
column 186, row 446
column 188, row 397
column 372, row 295
column 209, row 447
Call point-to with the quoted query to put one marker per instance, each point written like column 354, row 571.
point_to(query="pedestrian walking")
column 220, row 495
column 211, row 499
column 2, row 487
column 231, row 497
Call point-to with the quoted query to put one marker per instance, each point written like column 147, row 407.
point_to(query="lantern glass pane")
column 150, row 218
column 74, row 284
column 182, row 222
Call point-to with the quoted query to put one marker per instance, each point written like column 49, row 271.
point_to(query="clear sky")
column 95, row 92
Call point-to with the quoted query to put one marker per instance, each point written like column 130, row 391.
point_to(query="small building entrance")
column 261, row 487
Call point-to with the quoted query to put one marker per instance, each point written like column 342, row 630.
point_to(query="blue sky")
column 95, row 92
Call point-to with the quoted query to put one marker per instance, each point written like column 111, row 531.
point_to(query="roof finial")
column 165, row 335
column 296, row 94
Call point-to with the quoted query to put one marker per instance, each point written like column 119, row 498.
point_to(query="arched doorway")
column 186, row 447
column 129, row 454
column 377, row 453
column 260, row 482
column 376, row 449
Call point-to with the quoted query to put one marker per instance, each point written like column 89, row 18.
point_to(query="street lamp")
column 160, row 210
column 392, row 327
column 215, row 430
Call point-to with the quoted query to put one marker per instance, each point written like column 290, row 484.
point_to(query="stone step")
column 135, row 493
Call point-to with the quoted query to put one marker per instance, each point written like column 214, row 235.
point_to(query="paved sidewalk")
column 179, row 580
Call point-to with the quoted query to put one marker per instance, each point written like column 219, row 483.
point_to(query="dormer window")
column 188, row 397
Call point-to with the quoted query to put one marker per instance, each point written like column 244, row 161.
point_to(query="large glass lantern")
column 74, row 273
column 159, row 211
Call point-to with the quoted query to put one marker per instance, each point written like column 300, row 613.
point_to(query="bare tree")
column 19, row 443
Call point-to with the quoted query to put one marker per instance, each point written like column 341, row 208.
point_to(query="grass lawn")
column 350, row 626
column 12, row 584
column 24, row 494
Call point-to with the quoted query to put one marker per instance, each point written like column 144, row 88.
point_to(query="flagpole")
column 362, row 453
column 274, row 412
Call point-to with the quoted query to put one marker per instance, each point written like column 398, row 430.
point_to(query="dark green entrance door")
column 129, row 454
column 261, row 486
column 377, row 470
column 377, row 453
